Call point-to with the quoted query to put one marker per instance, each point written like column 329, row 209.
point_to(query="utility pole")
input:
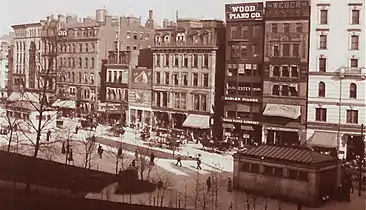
column 117, row 36
column 361, row 160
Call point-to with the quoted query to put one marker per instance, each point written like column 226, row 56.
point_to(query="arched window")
column 353, row 90
column 321, row 89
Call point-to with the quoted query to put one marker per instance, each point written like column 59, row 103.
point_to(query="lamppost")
column 361, row 160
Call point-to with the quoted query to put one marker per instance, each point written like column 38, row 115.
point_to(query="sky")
column 26, row 11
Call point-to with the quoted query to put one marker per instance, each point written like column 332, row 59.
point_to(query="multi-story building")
column 285, row 72
column 188, row 69
column 4, row 67
column 336, row 96
column 87, row 43
column 244, row 64
column 114, row 85
column 140, row 90
column 27, row 39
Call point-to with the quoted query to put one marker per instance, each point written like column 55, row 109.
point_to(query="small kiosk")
column 296, row 174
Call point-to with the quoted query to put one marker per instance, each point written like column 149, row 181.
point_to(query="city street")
column 181, row 182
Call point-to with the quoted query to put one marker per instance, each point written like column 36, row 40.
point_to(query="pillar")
column 143, row 118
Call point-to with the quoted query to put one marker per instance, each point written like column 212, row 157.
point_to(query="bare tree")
column 118, row 157
column 89, row 147
column 164, row 182
column 218, row 182
column 144, row 162
column 9, row 126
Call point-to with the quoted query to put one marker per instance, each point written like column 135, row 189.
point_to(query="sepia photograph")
column 193, row 105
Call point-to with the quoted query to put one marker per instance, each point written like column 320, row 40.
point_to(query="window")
column 256, row 31
column 286, row 28
column 205, row 80
column 176, row 60
column 134, row 48
column 274, row 28
column 268, row 170
column 245, row 32
column 354, row 63
column 323, row 17
column 285, row 90
column 157, row 77
column 166, row 75
column 183, row 100
column 285, row 71
column 352, row 116
column 298, row 175
column 355, row 17
column 175, row 79
column 276, row 90
column 245, row 167
column 166, row 59
column 295, row 50
column 321, row 114
column 176, row 100
column 294, row 71
column 235, row 33
column 158, row 60
column 203, row 102
column 299, row 27
column 354, row 42
column 323, row 42
column 86, row 47
column 80, row 47
column 195, row 79
column 196, row 101
column 86, row 63
column 185, row 61
column 128, row 47
column 205, row 60
column 92, row 62
column 353, row 90
column 321, row 89
column 322, row 64
column 195, row 61
column 256, row 50
column 135, row 36
column 185, row 79
column 286, row 50
column 276, row 71
column 276, row 51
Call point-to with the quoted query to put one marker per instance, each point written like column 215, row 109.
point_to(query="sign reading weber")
column 240, row 12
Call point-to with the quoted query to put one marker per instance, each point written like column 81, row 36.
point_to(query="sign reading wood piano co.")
column 282, row 9
column 240, row 12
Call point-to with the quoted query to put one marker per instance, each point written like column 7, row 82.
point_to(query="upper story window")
column 323, row 17
column 167, row 39
column 286, row 28
column 274, row 28
column 128, row 35
column 355, row 17
column 299, row 27
column 157, row 40
column 323, row 42
column 135, row 36
column 322, row 64
column 354, row 63
column 355, row 42
column 276, row 50
column 245, row 32
column 180, row 38
column 321, row 114
column 239, row 51
column 352, row 116
column 353, row 90
column 321, row 89
column 80, row 47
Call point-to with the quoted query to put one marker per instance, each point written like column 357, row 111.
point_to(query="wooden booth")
column 296, row 174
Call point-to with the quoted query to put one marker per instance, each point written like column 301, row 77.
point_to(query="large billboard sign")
column 245, row 11
column 284, row 9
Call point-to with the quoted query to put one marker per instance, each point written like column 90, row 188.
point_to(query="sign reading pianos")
column 285, row 9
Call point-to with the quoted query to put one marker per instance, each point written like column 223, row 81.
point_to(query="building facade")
column 27, row 39
column 243, row 78
column 87, row 43
column 285, row 72
column 4, row 68
column 114, row 86
column 140, row 91
column 337, row 103
column 188, row 60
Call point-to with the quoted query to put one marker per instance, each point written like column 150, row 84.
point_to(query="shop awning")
column 68, row 104
column 280, row 110
column 197, row 121
column 323, row 139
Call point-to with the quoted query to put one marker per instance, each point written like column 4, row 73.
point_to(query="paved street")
column 181, row 182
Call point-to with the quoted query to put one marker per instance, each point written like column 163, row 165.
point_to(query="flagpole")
column 118, row 34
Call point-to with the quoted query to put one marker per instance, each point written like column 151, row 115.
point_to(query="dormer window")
column 157, row 40
column 167, row 39
column 206, row 38
column 180, row 38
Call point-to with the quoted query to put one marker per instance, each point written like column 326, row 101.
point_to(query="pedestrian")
column 93, row 138
column 136, row 154
column 208, row 183
column 152, row 157
column 48, row 136
column 76, row 129
column 100, row 151
column 229, row 185
column 198, row 163
column 179, row 160
column 71, row 156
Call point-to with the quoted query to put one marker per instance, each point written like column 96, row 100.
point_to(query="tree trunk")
column 10, row 139
column 86, row 160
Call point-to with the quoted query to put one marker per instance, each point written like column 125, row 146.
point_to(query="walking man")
column 152, row 158
column 198, row 163
column 179, row 160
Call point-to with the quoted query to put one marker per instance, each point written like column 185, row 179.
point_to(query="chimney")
column 150, row 14
column 165, row 23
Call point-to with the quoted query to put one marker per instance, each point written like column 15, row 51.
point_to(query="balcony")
column 352, row 72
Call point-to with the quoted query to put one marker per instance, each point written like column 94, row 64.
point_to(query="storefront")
column 242, row 132
column 66, row 107
column 198, row 124
column 297, row 174
column 112, row 112
column 282, row 125
column 140, row 117
column 324, row 142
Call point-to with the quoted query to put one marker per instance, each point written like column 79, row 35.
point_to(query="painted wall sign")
column 282, row 9
column 240, row 12
column 139, row 97
column 141, row 78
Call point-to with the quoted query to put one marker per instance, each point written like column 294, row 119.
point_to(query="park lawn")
column 19, row 168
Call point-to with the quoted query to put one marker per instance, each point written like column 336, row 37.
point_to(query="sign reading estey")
column 250, row 11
